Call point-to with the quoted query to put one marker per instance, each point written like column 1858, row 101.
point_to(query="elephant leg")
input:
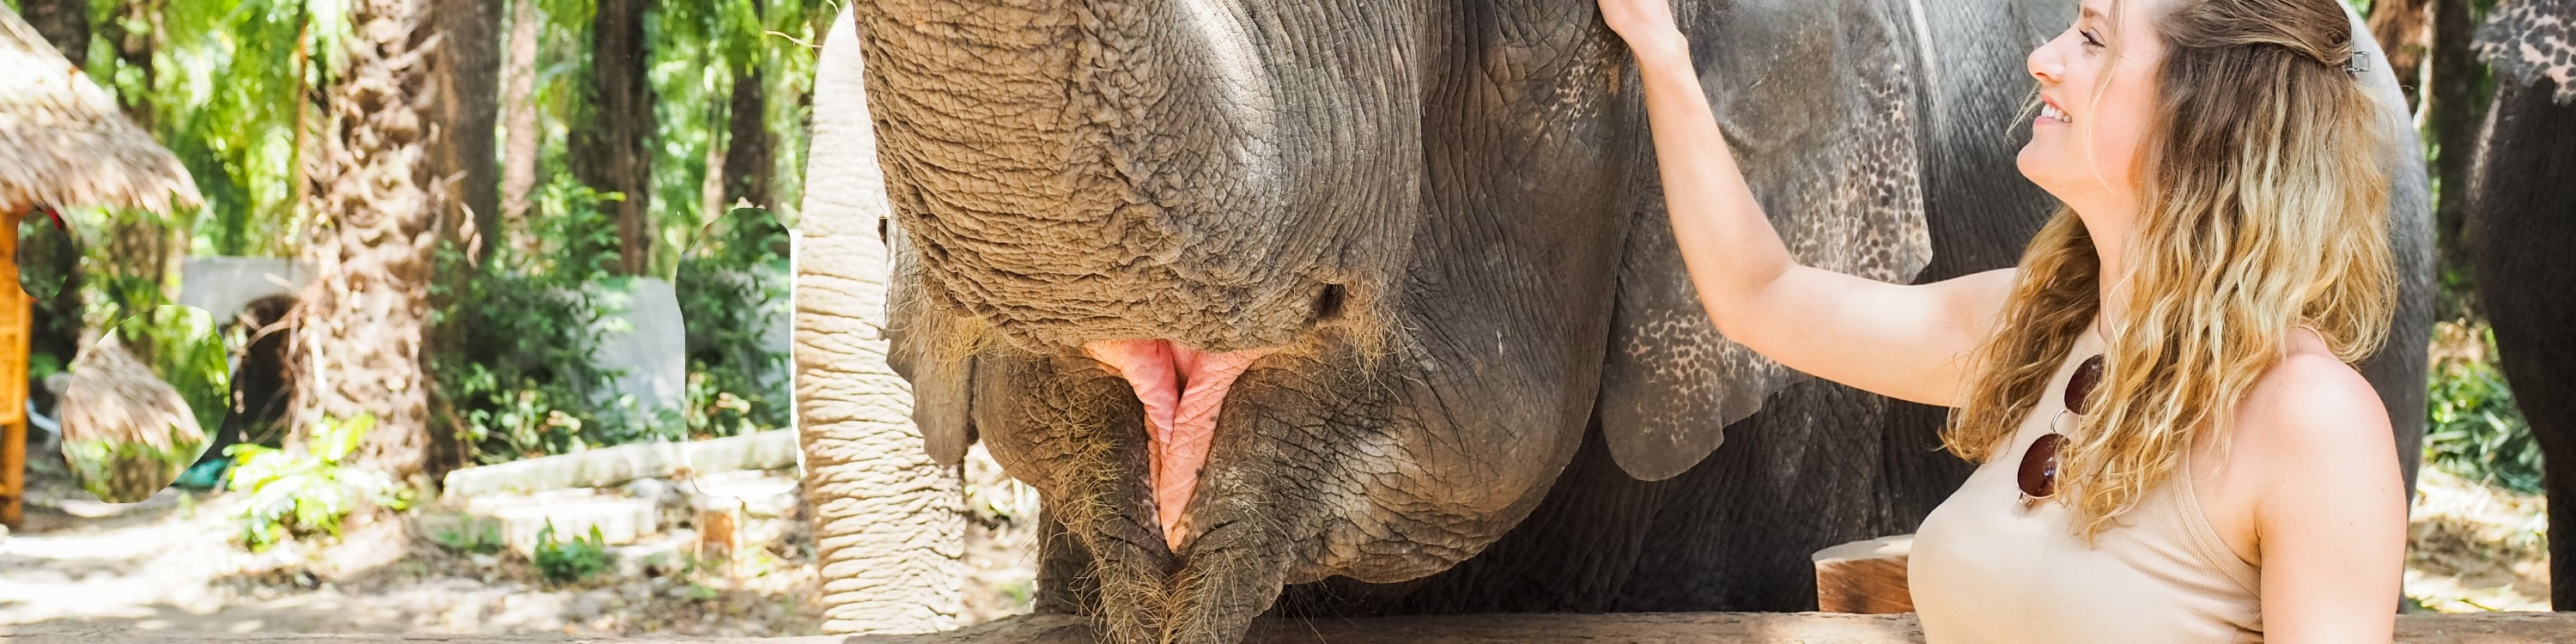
column 2523, row 220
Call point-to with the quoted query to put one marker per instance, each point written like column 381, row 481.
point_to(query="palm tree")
column 376, row 205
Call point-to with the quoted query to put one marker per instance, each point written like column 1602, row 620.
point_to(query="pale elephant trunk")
column 889, row 522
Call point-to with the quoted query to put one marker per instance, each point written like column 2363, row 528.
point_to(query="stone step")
column 518, row 518
column 611, row 466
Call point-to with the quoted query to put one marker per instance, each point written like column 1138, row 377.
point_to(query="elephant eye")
column 1328, row 305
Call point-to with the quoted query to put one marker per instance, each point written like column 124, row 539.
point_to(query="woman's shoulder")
column 2310, row 398
column 2311, row 445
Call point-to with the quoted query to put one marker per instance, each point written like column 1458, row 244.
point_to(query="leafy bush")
column 297, row 496
column 2473, row 427
column 516, row 376
column 565, row 562
column 733, row 288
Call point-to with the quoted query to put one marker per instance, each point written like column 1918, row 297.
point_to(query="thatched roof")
column 63, row 142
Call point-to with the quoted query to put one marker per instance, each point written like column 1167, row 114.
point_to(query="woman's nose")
column 2044, row 66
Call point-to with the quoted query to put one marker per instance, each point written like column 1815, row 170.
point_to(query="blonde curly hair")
column 2264, row 203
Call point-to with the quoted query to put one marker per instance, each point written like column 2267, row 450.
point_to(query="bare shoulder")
column 2313, row 403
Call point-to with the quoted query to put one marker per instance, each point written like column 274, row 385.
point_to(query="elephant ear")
column 2531, row 40
column 1835, row 167
column 856, row 267
column 929, row 350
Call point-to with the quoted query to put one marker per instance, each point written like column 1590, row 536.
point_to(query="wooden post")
column 1864, row 577
column 16, row 311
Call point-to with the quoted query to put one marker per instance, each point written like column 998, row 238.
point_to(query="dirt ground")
column 168, row 564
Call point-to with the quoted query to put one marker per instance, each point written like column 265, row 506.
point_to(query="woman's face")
column 2097, row 83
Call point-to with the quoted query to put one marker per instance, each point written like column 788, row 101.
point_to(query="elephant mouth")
column 1181, row 389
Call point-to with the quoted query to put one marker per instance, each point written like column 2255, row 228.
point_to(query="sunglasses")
column 2039, row 463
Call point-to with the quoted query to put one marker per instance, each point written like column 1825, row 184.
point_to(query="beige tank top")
column 1984, row 569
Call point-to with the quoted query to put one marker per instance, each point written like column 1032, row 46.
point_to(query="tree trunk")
column 135, row 31
column 465, row 108
column 746, row 158
column 2404, row 29
column 65, row 23
column 376, row 209
column 609, row 151
column 2453, row 112
column 889, row 521
column 519, row 171
column 148, row 245
column 466, row 119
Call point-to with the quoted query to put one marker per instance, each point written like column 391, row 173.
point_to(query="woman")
column 2172, row 444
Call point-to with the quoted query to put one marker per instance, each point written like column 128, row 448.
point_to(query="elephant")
column 1334, row 307
column 2521, row 214
column 888, row 522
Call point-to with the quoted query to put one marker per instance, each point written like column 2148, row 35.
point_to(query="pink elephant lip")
column 1182, row 389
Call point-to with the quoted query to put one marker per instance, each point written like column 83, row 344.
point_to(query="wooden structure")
column 62, row 144
column 1652, row 628
column 1866, row 577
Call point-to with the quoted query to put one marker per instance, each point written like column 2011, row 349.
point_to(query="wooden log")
column 1864, row 577
column 1646, row 628
column 720, row 537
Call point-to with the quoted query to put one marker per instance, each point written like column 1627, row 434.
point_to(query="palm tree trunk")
column 376, row 225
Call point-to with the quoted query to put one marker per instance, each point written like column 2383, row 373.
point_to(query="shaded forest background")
column 472, row 183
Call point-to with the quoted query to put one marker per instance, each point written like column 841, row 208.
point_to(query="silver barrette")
column 2360, row 62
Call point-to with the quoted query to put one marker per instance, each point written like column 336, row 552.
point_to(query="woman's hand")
column 1645, row 24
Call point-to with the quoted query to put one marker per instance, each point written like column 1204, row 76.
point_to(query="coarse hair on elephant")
column 1330, row 307
column 2520, row 221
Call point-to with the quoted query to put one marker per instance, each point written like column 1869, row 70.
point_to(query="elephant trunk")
column 889, row 522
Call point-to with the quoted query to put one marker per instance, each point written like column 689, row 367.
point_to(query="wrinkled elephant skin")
column 1392, row 282
column 2521, row 221
column 889, row 520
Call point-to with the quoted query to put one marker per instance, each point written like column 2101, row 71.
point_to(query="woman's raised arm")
column 1904, row 341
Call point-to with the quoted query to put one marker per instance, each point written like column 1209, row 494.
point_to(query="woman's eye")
column 2090, row 41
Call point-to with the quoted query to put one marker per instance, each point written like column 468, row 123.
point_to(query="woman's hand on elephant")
column 1647, row 25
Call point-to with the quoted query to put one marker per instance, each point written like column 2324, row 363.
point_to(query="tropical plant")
column 300, row 495
column 2474, row 428
column 568, row 562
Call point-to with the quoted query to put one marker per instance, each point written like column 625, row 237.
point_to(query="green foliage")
column 2474, row 429
column 303, row 495
column 566, row 562
column 733, row 288
column 184, row 349
column 471, row 537
column 520, row 377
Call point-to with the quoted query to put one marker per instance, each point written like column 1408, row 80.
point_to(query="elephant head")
column 1261, row 293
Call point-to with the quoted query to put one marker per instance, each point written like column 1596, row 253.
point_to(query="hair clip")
column 2360, row 63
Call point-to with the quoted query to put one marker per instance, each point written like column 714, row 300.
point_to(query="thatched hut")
column 62, row 143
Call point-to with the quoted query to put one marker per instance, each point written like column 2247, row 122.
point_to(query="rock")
column 649, row 489
column 588, row 605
